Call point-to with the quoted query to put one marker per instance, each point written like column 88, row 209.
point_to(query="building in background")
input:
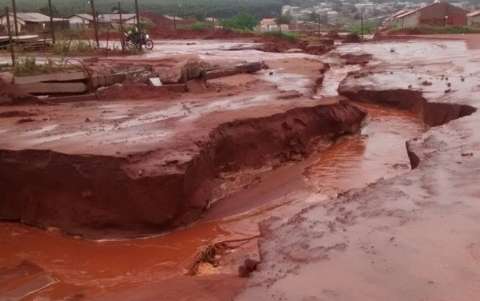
column 435, row 14
column 80, row 21
column 34, row 22
column 113, row 20
column 270, row 24
column 473, row 19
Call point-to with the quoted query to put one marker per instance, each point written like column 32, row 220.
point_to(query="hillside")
column 199, row 8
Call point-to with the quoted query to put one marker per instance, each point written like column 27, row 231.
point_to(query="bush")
column 29, row 66
column 289, row 36
column 369, row 27
column 68, row 47
column 240, row 22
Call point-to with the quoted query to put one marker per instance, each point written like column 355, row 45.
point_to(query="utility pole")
column 14, row 8
column 137, row 12
column 139, row 31
column 95, row 25
column 52, row 27
column 361, row 24
column 10, row 39
column 122, row 34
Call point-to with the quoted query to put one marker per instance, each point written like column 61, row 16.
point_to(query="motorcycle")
column 137, row 41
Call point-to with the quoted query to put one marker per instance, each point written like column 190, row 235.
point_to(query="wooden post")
column 137, row 12
column 10, row 39
column 361, row 24
column 139, row 31
column 95, row 25
column 122, row 34
column 52, row 27
column 14, row 8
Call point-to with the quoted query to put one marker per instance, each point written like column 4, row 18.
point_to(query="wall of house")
column 474, row 21
column 78, row 23
column 3, row 22
column 34, row 27
column 435, row 15
column 409, row 21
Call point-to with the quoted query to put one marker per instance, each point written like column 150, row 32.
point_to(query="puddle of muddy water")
column 377, row 152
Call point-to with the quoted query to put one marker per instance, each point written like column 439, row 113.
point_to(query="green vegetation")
column 184, row 8
column 369, row 27
column 199, row 26
column 29, row 66
column 243, row 22
column 72, row 47
column 289, row 36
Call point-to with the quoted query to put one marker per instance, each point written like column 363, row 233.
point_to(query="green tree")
column 283, row 19
column 241, row 21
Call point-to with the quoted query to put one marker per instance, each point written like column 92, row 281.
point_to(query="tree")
column 241, row 21
column 283, row 19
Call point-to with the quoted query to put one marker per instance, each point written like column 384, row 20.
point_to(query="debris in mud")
column 237, row 69
column 211, row 254
column 356, row 59
column 12, row 114
column 352, row 38
column 249, row 266
column 25, row 120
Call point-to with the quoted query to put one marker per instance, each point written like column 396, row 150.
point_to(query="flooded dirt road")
column 93, row 268
column 155, row 267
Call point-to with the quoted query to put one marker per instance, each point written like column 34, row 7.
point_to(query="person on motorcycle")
column 139, row 38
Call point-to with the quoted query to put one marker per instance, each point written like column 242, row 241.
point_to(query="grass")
column 29, row 66
column 289, row 36
column 369, row 27
column 73, row 47
column 197, row 26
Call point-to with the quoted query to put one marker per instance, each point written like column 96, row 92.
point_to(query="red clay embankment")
column 94, row 194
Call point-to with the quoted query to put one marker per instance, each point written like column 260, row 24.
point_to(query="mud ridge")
column 97, row 196
column 431, row 113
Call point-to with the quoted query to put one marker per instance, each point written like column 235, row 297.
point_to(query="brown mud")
column 432, row 113
column 71, row 191
column 412, row 236
column 305, row 179
column 149, row 268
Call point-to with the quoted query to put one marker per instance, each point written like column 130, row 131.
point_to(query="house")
column 473, row 18
column 33, row 22
column 435, row 14
column 80, row 21
column 270, row 24
column 109, row 20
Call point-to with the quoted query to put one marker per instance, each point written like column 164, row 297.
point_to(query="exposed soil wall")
column 90, row 195
column 432, row 113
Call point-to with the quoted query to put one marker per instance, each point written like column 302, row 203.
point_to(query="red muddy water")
column 91, row 268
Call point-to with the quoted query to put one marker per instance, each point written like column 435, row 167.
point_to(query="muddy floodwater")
column 90, row 268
